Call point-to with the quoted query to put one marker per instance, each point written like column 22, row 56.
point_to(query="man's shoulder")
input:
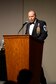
column 41, row 21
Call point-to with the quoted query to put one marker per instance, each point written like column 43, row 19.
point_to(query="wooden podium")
column 23, row 51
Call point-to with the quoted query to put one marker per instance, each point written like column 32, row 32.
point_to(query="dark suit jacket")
column 43, row 32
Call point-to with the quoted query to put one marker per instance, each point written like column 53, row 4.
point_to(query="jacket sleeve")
column 44, row 32
column 43, row 36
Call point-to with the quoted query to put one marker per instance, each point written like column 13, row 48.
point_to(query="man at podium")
column 37, row 28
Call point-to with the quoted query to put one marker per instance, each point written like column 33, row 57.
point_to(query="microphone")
column 26, row 22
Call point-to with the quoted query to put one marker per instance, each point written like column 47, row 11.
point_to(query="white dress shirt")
column 31, row 29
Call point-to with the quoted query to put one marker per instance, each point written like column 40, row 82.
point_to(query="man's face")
column 31, row 16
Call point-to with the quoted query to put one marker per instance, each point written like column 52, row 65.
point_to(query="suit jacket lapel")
column 27, row 31
column 34, row 29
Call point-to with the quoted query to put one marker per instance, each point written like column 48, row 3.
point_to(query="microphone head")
column 25, row 22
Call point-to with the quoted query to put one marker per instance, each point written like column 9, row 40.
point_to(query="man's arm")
column 44, row 33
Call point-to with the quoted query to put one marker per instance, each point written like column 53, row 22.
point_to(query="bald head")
column 31, row 15
column 32, row 12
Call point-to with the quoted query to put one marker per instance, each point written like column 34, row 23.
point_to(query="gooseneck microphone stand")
column 22, row 26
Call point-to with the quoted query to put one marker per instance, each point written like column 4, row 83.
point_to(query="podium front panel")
column 17, row 54
column 23, row 51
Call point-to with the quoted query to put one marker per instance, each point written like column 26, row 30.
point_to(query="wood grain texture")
column 22, row 51
column 17, row 54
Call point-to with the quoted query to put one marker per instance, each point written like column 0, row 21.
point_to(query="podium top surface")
column 16, row 36
column 21, row 36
